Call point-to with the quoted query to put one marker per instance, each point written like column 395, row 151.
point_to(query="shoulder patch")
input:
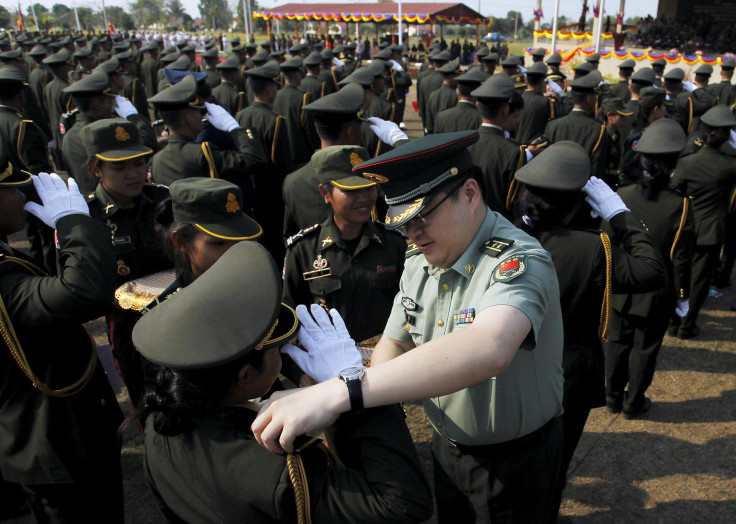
column 412, row 250
column 301, row 234
column 496, row 246
column 510, row 268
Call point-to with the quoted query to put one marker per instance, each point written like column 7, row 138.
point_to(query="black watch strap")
column 355, row 390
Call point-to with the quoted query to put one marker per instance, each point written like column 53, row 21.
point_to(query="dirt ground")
column 676, row 464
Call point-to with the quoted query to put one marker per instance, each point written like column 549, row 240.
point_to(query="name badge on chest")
column 321, row 269
column 121, row 241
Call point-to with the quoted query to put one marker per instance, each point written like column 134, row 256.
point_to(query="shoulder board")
column 495, row 246
column 412, row 250
column 293, row 239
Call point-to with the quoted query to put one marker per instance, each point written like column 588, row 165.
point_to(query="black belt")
column 510, row 446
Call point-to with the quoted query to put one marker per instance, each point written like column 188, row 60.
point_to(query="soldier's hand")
column 59, row 200
column 604, row 201
column 682, row 308
column 329, row 347
column 387, row 131
column 220, row 118
column 124, row 107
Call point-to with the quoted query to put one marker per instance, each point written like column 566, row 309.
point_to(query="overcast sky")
column 570, row 8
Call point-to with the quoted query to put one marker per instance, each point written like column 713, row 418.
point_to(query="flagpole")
column 104, row 16
column 401, row 41
column 76, row 16
column 33, row 10
column 554, row 26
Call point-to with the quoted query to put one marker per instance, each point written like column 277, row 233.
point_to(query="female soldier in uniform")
column 555, row 184
column 201, row 459
column 58, row 414
column 127, row 205
column 639, row 321
column 347, row 262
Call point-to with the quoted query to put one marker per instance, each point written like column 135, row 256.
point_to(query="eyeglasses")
column 420, row 219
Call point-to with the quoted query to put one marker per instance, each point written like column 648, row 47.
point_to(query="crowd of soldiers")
column 309, row 146
column 702, row 33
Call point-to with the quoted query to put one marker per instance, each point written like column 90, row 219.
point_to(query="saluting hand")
column 59, row 200
column 220, row 118
column 604, row 201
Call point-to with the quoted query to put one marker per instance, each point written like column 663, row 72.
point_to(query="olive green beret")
column 122, row 46
column 170, row 58
column 719, row 116
column 295, row 49
column 383, row 45
column 183, row 63
column 82, row 52
column 230, row 310
column 124, row 55
column 191, row 48
column 510, row 61
column 664, row 136
column 113, row 140
column 410, row 175
column 214, row 206
column 395, row 47
column 327, row 54
column 490, row 58
column 182, row 42
column 276, row 54
column 499, row 86
column 250, row 46
column 334, row 164
column 151, row 45
column 563, row 166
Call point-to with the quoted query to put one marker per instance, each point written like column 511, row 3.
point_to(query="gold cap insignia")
column 232, row 203
column 355, row 159
column 470, row 269
column 378, row 179
column 121, row 135
column 453, row 170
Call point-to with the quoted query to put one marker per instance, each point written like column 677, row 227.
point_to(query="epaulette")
column 293, row 239
column 495, row 246
column 412, row 250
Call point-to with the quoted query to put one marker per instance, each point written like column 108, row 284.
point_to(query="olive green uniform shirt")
column 57, row 103
column 312, row 85
column 621, row 90
column 303, row 205
column 724, row 92
column 230, row 98
column 149, row 71
column 303, row 139
column 429, row 84
column 443, row 98
column 528, row 393
column 213, row 77
column 463, row 117
column 586, row 131
column 533, row 117
column 321, row 268
column 24, row 141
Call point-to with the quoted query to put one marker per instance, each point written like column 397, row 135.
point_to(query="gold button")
column 445, row 286
column 440, row 323
column 406, row 327
column 102, row 401
column 439, row 424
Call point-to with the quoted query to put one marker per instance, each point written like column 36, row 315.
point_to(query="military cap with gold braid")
column 10, row 177
column 411, row 174
column 615, row 105
column 334, row 164
column 179, row 96
column 214, row 206
column 113, row 140
column 238, row 310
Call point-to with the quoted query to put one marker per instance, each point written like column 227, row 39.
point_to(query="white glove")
column 337, row 61
column 386, row 130
column 604, row 201
column 522, row 69
column 395, row 65
column 220, row 118
column 683, row 307
column 688, row 86
column 124, row 107
column 329, row 347
column 58, row 199
column 556, row 89
column 732, row 140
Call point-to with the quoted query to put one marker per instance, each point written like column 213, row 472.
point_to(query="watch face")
column 352, row 373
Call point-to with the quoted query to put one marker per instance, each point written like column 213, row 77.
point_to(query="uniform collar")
column 9, row 109
column 330, row 236
column 110, row 206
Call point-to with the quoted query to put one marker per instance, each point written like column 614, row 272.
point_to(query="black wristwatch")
column 351, row 377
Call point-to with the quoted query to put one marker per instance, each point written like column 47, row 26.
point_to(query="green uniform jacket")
column 533, row 117
column 380, row 107
column 669, row 220
column 149, row 70
column 463, row 117
column 443, row 98
column 580, row 263
column 429, row 84
column 303, row 205
column 213, row 77
column 40, row 77
column 33, row 109
column 724, row 92
column 586, row 131
column 320, row 269
column 328, row 79
column 43, row 439
column 499, row 158
column 135, row 91
column 708, row 177
column 703, row 100
column 303, row 139
column 621, row 90
column 24, row 141
column 217, row 473
column 230, row 98
column 75, row 156
column 57, row 103
column 183, row 158
column 312, row 85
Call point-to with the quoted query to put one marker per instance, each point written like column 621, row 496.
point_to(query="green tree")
column 5, row 18
column 119, row 18
column 215, row 13
column 147, row 12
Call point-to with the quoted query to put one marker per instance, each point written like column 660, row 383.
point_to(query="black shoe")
column 614, row 408
column 628, row 415
column 672, row 330
column 685, row 333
